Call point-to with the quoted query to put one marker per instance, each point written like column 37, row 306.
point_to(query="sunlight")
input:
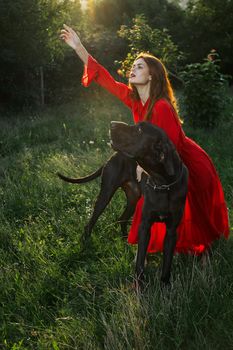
column 83, row 4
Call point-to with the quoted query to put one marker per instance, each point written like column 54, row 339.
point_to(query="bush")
column 142, row 38
column 205, row 92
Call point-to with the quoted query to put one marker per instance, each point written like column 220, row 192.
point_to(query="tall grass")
column 55, row 297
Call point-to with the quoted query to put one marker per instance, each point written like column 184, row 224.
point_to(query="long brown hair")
column 160, row 84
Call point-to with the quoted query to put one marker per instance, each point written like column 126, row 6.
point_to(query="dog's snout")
column 113, row 124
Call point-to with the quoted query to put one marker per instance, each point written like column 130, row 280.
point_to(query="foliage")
column 53, row 296
column 103, row 44
column 205, row 94
column 208, row 24
column 29, row 40
column 159, row 13
column 142, row 38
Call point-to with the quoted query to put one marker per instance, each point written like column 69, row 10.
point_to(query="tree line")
column 36, row 67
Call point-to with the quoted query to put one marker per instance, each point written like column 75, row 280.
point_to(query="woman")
column 150, row 97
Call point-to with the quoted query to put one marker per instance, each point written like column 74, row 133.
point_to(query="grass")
column 54, row 297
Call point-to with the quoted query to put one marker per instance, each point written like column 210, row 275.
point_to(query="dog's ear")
column 168, row 165
column 168, row 161
column 162, row 155
column 158, row 151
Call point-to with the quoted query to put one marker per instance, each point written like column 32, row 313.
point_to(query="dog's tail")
column 84, row 179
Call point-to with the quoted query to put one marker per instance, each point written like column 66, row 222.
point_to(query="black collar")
column 156, row 187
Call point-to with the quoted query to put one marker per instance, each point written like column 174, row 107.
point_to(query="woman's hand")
column 139, row 171
column 70, row 37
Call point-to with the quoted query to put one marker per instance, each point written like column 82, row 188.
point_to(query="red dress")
column 205, row 215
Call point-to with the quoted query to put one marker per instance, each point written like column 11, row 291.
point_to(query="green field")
column 54, row 297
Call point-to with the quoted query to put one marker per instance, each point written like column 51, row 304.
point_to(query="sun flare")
column 83, row 4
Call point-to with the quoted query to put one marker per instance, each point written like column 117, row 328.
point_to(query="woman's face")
column 139, row 73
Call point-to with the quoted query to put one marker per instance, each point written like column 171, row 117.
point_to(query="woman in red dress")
column 150, row 97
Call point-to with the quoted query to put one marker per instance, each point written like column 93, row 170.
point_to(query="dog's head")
column 146, row 143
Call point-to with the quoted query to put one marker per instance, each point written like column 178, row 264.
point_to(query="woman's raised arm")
column 72, row 39
column 93, row 70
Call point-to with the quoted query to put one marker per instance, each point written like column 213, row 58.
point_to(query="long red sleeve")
column 94, row 71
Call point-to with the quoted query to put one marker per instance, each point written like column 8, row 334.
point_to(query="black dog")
column 165, row 188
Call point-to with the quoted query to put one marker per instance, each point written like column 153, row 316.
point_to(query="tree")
column 208, row 25
column 112, row 13
column 142, row 38
column 28, row 40
column 205, row 94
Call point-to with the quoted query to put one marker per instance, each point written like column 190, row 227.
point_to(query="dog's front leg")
column 143, row 241
column 168, row 252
